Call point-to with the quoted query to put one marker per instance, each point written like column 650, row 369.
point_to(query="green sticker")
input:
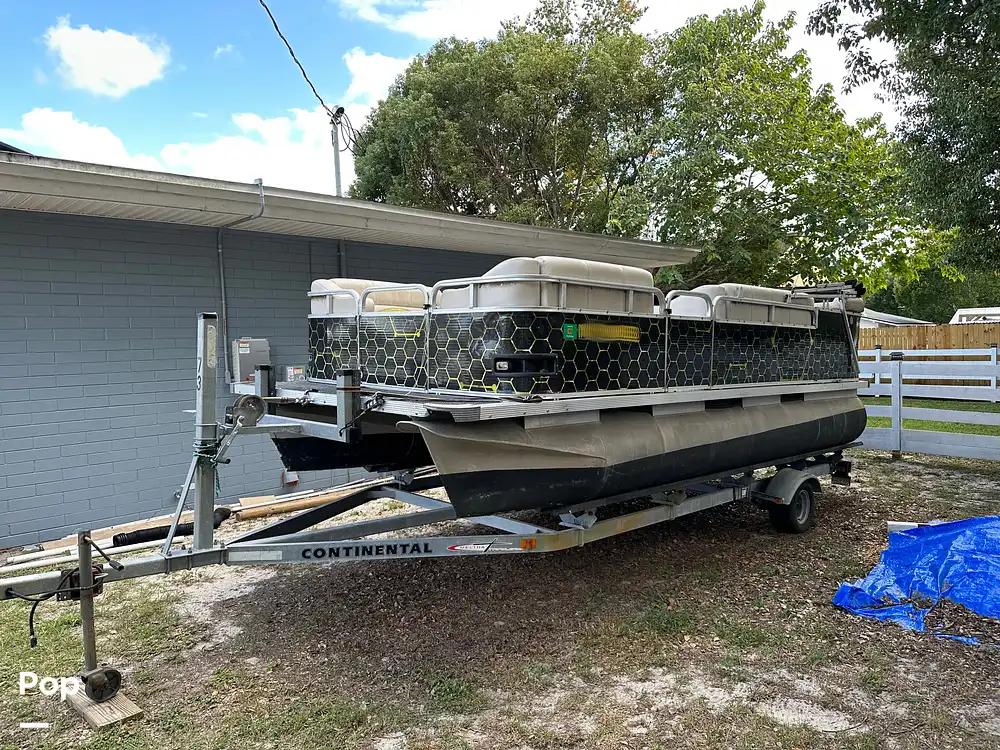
column 569, row 331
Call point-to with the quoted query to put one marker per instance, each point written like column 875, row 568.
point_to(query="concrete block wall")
column 97, row 357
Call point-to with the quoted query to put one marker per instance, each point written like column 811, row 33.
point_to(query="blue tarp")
column 958, row 561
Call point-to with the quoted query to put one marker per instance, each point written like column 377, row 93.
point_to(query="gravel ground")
column 713, row 631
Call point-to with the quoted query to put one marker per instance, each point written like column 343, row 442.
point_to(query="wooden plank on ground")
column 100, row 715
column 110, row 531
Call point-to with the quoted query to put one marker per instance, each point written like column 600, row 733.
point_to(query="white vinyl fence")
column 889, row 372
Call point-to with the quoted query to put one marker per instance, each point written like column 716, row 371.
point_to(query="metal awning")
column 29, row 183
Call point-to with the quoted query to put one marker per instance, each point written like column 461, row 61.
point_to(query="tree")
column 710, row 136
column 945, row 79
column 935, row 296
column 544, row 125
column 766, row 174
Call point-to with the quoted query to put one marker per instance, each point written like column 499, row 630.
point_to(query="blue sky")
column 207, row 88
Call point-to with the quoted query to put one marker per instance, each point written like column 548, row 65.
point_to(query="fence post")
column 878, row 361
column 896, row 404
column 993, row 361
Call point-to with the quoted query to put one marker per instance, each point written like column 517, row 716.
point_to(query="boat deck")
column 418, row 403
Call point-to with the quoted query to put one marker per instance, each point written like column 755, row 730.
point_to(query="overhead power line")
column 291, row 52
column 342, row 130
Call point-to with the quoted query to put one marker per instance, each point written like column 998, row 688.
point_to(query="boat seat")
column 511, row 295
column 390, row 300
column 747, row 304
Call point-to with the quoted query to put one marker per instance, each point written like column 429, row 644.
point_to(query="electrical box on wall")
column 248, row 355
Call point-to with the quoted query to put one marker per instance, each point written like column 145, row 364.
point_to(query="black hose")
column 156, row 533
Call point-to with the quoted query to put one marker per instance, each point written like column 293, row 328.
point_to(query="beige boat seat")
column 744, row 303
column 389, row 300
column 511, row 295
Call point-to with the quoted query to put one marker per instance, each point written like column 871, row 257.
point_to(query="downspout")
column 342, row 258
column 224, row 317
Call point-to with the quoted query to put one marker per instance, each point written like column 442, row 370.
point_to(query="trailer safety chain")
column 208, row 452
column 304, row 398
column 375, row 402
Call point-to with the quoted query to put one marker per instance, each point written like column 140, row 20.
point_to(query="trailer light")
column 501, row 365
column 528, row 544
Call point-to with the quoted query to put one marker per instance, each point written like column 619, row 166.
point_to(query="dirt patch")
column 795, row 712
column 950, row 619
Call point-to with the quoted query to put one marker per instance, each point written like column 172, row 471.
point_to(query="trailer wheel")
column 796, row 517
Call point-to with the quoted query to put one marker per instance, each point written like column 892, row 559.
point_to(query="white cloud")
column 48, row 132
column 371, row 74
column 434, row 19
column 224, row 49
column 291, row 151
column 109, row 62
column 199, row 115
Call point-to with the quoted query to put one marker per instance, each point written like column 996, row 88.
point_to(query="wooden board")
column 101, row 715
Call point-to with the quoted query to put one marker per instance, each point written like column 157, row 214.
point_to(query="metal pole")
column 335, row 138
column 993, row 361
column 896, row 403
column 205, row 430
column 87, row 601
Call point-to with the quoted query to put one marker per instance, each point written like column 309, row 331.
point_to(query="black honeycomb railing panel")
column 456, row 352
column 392, row 349
column 463, row 346
column 332, row 347
column 748, row 354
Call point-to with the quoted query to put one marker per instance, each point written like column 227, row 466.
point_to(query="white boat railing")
column 888, row 372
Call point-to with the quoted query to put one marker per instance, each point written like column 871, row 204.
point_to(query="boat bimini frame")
column 295, row 539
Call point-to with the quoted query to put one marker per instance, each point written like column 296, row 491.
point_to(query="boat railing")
column 329, row 295
column 563, row 282
column 706, row 298
column 372, row 291
column 719, row 309
column 770, row 307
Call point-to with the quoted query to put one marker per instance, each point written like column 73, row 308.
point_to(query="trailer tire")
column 797, row 517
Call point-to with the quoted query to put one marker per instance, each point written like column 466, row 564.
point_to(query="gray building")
column 102, row 273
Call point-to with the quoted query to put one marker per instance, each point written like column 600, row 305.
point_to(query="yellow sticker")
column 608, row 332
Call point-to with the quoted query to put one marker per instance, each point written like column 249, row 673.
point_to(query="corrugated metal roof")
column 29, row 183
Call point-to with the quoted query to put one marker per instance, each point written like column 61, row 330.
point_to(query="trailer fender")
column 781, row 488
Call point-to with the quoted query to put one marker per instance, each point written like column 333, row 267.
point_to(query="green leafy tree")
column 935, row 296
column 765, row 173
column 546, row 124
column 711, row 136
column 945, row 78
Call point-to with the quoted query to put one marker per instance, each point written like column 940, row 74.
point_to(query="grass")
column 926, row 424
column 936, row 403
column 455, row 695
column 746, row 636
column 875, row 675
column 663, row 619
column 936, row 426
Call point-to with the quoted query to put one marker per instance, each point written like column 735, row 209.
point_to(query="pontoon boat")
column 549, row 381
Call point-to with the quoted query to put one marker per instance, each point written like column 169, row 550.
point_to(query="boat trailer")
column 788, row 495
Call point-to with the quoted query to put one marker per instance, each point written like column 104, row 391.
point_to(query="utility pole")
column 335, row 139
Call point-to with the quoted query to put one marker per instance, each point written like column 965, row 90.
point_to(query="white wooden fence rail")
column 889, row 372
